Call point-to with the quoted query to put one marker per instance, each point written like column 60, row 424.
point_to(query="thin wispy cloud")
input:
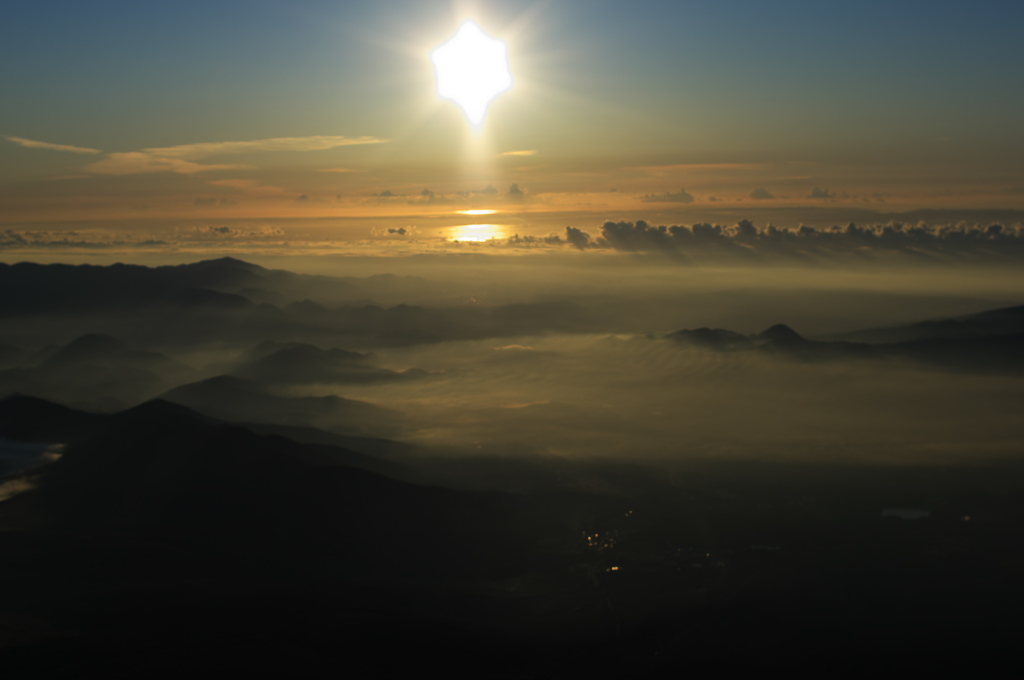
column 524, row 152
column 33, row 144
column 182, row 159
column 251, row 187
column 677, row 168
column 142, row 162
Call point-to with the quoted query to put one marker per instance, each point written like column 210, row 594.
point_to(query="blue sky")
column 879, row 90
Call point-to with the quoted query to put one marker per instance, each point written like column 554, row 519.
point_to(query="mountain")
column 161, row 466
column 31, row 419
column 79, row 288
column 994, row 354
column 1002, row 321
column 1001, row 353
column 780, row 333
column 779, row 340
column 239, row 400
column 98, row 371
column 297, row 363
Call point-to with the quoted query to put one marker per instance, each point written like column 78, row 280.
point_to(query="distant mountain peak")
column 225, row 261
column 160, row 408
column 780, row 331
column 90, row 346
column 220, row 383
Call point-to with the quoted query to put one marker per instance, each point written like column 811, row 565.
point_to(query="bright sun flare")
column 472, row 69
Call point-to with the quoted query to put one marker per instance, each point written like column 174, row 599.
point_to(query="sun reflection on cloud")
column 476, row 232
column 476, row 212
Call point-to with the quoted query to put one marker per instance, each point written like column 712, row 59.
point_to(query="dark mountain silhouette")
column 161, row 466
column 271, row 347
column 779, row 340
column 780, row 333
column 76, row 289
column 303, row 364
column 239, row 400
column 102, row 349
column 31, row 419
column 201, row 298
column 1003, row 321
column 98, row 371
column 998, row 354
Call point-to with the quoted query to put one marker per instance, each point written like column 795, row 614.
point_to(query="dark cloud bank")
column 744, row 239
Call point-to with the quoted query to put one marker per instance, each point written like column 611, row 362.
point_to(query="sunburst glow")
column 472, row 69
column 476, row 232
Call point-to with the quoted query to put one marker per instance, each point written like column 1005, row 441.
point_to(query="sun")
column 472, row 69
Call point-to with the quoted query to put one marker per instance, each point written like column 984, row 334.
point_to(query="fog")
column 567, row 356
column 653, row 400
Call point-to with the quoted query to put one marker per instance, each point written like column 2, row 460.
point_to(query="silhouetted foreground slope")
column 163, row 467
column 157, row 521
column 164, row 540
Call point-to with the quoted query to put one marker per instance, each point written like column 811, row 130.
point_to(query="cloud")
column 761, row 194
column 662, row 170
column 12, row 239
column 395, row 232
column 32, row 144
column 208, row 149
column 746, row 242
column 223, row 233
column 524, row 152
column 678, row 197
column 336, row 170
column 822, row 194
column 140, row 162
column 744, row 239
column 251, row 187
column 181, row 159
column 206, row 202
column 577, row 238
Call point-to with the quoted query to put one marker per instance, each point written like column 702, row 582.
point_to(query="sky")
column 141, row 115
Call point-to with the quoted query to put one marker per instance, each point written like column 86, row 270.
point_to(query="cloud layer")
column 32, row 144
column 181, row 159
